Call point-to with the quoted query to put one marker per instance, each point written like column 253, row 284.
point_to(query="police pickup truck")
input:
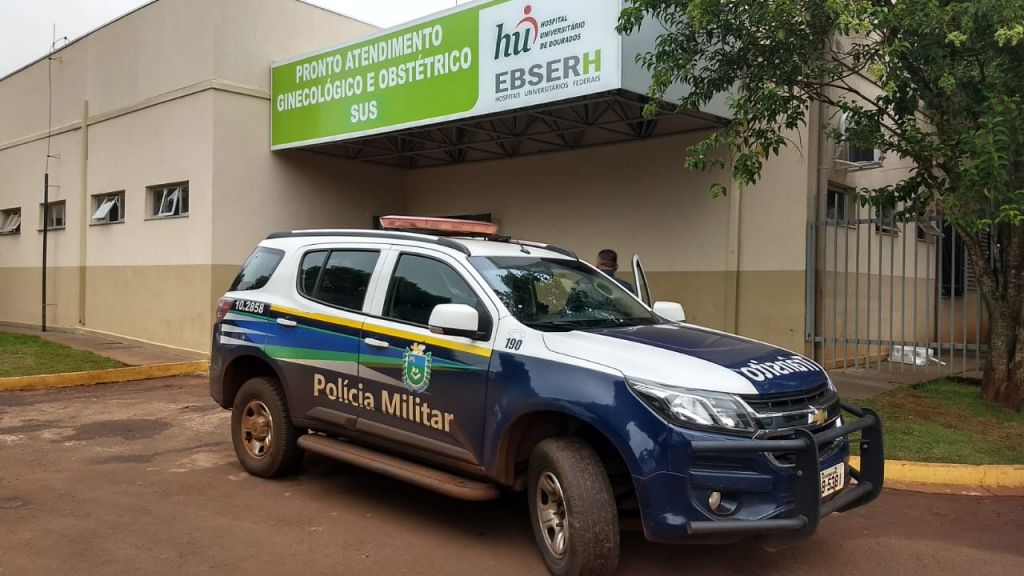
column 468, row 363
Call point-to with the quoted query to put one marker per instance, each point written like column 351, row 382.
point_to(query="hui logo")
column 416, row 368
column 520, row 40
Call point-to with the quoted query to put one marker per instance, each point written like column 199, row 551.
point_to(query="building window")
column 841, row 205
column 169, row 201
column 957, row 271
column 885, row 222
column 54, row 217
column 10, row 221
column 108, row 208
column 927, row 230
column 851, row 153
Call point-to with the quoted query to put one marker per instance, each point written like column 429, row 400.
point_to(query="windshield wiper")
column 563, row 324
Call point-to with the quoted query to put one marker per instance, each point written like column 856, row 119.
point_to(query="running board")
column 423, row 476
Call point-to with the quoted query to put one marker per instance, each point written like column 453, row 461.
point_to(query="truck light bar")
column 439, row 226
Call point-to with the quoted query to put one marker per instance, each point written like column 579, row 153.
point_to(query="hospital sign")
column 476, row 59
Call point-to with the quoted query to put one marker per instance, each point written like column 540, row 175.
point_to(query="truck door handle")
column 287, row 322
column 374, row 343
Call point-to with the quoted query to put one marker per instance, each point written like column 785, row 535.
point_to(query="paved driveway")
column 140, row 478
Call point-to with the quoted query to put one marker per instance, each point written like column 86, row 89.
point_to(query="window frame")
column 99, row 200
column 8, row 214
column 43, row 212
column 927, row 231
column 487, row 309
column 849, row 204
column 844, row 150
column 178, row 190
column 370, row 287
column 886, row 225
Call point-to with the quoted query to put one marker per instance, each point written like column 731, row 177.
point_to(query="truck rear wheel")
column 265, row 440
column 572, row 509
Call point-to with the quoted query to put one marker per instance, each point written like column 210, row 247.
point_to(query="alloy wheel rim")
column 552, row 515
column 257, row 429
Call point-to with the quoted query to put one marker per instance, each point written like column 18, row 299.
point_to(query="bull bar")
column 808, row 507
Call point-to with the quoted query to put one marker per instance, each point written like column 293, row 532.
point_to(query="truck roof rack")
column 446, row 241
column 439, row 240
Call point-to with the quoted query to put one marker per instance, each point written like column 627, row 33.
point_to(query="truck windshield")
column 557, row 295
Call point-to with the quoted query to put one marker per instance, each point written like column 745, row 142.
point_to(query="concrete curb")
column 129, row 374
column 964, row 475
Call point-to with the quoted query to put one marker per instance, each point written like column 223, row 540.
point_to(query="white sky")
column 26, row 26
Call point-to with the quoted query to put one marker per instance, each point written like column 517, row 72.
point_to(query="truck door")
column 316, row 341
column 431, row 387
column 643, row 290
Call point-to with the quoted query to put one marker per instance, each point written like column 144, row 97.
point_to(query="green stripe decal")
column 390, row 362
column 290, row 353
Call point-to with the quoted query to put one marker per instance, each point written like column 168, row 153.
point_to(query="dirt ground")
column 140, row 479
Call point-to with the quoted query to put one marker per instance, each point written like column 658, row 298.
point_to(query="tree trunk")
column 1003, row 381
column 1003, row 292
column 1014, row 396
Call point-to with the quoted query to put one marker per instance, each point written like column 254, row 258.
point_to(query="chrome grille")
column 780, row 414
column 787, row 401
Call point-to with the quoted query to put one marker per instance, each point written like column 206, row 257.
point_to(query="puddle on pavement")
column 127, row 429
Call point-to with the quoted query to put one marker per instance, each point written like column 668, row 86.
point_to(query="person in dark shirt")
column 608, row 262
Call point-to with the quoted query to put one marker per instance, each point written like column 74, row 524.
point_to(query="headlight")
column 698, row 408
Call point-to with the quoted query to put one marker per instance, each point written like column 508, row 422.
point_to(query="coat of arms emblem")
column 416, row 368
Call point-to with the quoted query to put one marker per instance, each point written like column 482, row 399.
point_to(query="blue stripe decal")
column 307, row 337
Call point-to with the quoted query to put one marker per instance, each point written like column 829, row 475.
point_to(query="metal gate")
column 882, row 291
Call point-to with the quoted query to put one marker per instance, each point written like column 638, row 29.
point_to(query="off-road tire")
column 282, row 454
column 592, row 542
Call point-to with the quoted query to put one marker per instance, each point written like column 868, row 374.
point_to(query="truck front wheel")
column 572, row 508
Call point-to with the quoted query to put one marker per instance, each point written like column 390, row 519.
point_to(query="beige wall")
column 163, row 144
column 22, row 170
column 250, row 38
column 259, row 192
column 159, row 48
column 166, row 304
column 634, row 197
column 20, row 295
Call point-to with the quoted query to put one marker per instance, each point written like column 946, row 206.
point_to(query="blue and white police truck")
column 474, row 364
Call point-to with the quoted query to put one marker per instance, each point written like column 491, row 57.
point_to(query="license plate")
column 832, row 479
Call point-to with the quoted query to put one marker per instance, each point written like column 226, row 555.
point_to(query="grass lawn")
column 946, row 421
column 26, row 355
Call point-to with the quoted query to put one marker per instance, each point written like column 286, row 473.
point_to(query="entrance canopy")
column 490, row 79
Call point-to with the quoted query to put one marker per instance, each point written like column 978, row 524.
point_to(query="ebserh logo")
column 518, row 41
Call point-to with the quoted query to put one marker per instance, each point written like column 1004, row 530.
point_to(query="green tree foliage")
column 950, row 79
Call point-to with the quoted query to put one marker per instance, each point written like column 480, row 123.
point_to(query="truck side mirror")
column 672, row 311
column 455, row 320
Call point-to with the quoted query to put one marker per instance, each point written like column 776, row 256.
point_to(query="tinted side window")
column 309, row 271
column 346, row 278
column 421, row 283
column 257, row 269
